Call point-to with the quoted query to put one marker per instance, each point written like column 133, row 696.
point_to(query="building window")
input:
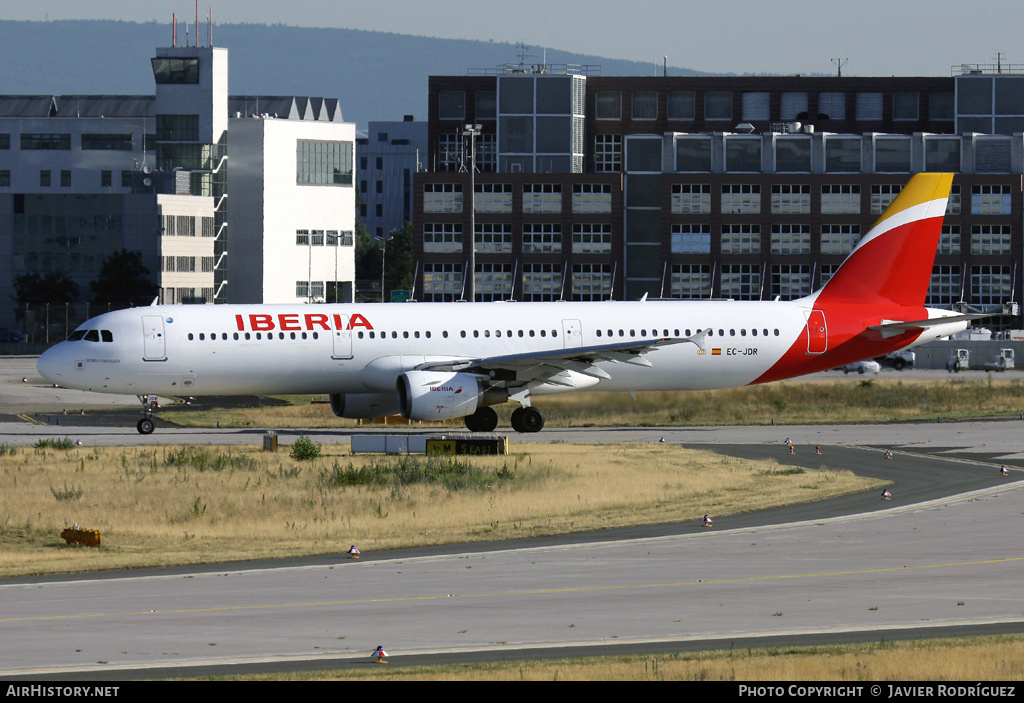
column 645, row 105
column 591, row 198
column 842, row 155
column 741, row 199
column 940, row 105
column 442, row 197
column 542, row 198
column 953, row 205
column 493, row 198
column 945, row 286
column 44, row 179
column 892, row 155
column 608, row 153
column 494, row 238
column 608, row 105
column 449, row 152
column 693, row 154
column 5, row 141
column 882, row 195
column 591, row 281
column 691, row 198
column 691, row 239
column 5, row 178
column 168, row 70
column 542, row 239
column 741, row 281
column 60, row 142
column 791, row 239
column 990, row 285
column 442, row 282
column 324, row 163
column 831, row 106
column 591, row 239
column 755, row 106
column 542, row 282
column 793, row 154
column 743, row 154
column 793, row 106
column 65, row 179
column 790, row 281
column 442, row 238
column 905, row 106
column 869, row 106
column 451, row 105
column 949, row 241
column 839, row 240
column 942, row 154
column 111, row 142
column 681, row 105
column 791, row 199
column 691, row 281
column 840, row 199
column 741, row 239
column 718, row 106
column 106, row 179
column 493, row 282
column 990, row 240
column 990, row 200
column 177, row 128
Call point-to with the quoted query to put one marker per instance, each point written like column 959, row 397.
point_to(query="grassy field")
column 791, row 402
column 177, row 505
column 970, row 659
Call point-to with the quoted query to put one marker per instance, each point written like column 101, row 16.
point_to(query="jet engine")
column 442, row 395
column 364, row 406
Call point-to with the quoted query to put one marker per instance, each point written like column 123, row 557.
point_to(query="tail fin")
column 894, row 260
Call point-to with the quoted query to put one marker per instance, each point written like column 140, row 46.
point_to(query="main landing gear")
column 523, row 420
column 150, row 404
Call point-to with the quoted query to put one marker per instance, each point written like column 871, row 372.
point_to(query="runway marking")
column 584, row 589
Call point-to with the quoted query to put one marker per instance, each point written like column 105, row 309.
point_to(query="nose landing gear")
column 150, row 404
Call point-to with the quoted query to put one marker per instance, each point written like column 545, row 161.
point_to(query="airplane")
column 440, row 361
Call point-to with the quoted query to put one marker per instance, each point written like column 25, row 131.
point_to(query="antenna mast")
column 839, row 63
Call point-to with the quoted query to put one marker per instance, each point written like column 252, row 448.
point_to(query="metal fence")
column 49, row 323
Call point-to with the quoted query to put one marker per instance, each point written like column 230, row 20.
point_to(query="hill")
column 376, row 75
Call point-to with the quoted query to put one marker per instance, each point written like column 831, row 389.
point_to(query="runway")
column 941, row 558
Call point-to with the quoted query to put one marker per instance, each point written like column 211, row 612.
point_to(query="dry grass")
column 847, row 400
column 168, row 505
column 974, row 659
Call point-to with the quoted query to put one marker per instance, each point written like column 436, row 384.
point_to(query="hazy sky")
column 879, row 37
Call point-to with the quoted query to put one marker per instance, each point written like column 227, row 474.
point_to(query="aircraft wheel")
column 146, row 426
column 527, row 420
column 899, row 364
column 483, row 420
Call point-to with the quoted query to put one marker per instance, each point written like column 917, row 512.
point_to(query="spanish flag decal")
column 716, row 352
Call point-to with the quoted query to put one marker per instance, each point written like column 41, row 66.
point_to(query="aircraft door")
column 154, row 347
column 342, row 339
column 817, row 333
column 572, row 333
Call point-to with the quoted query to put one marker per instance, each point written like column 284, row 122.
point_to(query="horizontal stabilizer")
column 892, row 328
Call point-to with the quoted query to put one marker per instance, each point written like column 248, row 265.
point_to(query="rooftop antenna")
column 665, row 63
column 839, row 63
column 209, row 25
column 174, row 29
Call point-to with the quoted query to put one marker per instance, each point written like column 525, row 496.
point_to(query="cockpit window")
column 92, row 336
column 76, row 335
column 107, row 335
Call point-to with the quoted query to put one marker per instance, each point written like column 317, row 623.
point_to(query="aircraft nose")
column 50, row 364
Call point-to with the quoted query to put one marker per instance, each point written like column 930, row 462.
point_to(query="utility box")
column 270, row 442
column 89, row 538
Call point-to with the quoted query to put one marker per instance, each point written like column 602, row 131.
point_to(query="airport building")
column 264, row 215
column 390, row 155
column 595, row 188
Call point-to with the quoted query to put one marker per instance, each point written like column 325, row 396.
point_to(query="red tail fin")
column 894, row 260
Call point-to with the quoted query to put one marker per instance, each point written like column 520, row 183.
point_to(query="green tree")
column 53, row 288
column 124, row 281
column 396, row 256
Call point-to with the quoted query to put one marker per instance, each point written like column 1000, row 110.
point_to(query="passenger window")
column 247, row 336
column 190, row 337
column 754, row 331
column 543, row 333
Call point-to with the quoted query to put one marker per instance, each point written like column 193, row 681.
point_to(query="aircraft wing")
column 545, row 366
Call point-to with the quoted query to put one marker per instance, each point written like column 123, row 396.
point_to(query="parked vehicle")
column 7, row 335
column 869, row 366
column 958, row 360
column 898, row 360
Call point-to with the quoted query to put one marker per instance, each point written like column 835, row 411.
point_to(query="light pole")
column 472, row 131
